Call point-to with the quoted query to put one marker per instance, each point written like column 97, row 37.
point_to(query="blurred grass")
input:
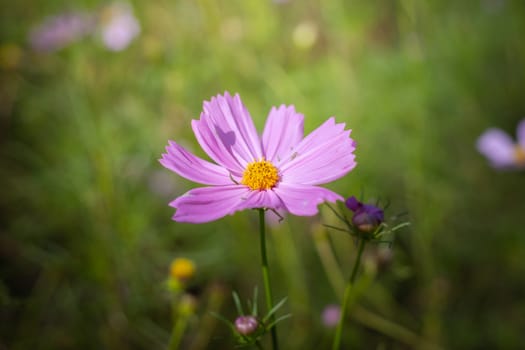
column 85, row 230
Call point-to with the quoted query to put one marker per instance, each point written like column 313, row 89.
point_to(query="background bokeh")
column 86, row 238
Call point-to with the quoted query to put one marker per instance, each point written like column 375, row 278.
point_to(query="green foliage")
column 85, row 232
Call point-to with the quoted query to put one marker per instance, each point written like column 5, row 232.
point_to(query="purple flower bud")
column 353, row 204
column 246, row 325
column 366, row 217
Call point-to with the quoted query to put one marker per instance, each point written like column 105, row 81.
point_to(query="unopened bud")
column 246, row 325
column 366, row 217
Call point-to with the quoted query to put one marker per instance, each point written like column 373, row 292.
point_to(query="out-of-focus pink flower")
column 118, row 26
column 60, row 31
column 501, row 151
column 330, row 315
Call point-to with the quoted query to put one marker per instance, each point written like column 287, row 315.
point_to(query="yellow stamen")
column 519, row 155
column 260, row 175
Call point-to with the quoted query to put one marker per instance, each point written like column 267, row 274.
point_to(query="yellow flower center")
column 260, row 175
column 519, row 155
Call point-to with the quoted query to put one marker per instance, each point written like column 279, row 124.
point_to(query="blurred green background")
column 86, row 238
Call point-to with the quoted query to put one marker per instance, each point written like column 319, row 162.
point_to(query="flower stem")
column 346, row 297
column 177, row 332
column 266, row 277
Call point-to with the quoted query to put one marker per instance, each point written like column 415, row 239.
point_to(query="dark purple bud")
column 353, row 204
column 366, row 217
column 246, row 325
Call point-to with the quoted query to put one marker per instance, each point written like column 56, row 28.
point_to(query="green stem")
column 346, row 297
column 266, row 277
column 178, row 332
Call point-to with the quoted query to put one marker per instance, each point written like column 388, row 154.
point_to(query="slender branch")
column 266, row 277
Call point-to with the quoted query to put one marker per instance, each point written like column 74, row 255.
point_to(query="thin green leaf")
column 378, row 229
column 279, row 319
column 401, row 225
column 255, row 297
column 274, row 309
column 336, row 228
column 342, row 218
column 223, row 319
column 238, row 304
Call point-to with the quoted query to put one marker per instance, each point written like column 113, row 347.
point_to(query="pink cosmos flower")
column 501, row 150
column 278, row 170
column 59, row 31
column 119, row 26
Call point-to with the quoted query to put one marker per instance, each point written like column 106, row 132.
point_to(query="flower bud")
column 366, row 217
column 246, row 325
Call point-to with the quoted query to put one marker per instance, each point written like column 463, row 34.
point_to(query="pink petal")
column 262, row 199
column 325, row 131
column 521, row 133
column 323, row 156
column 192, row 167
column 206, row 204
column 303, row 200
column 497, row 146
column 282, row 132
column 214, row 145
column 227, row 131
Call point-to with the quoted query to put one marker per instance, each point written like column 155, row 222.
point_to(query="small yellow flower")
column 182, row 269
